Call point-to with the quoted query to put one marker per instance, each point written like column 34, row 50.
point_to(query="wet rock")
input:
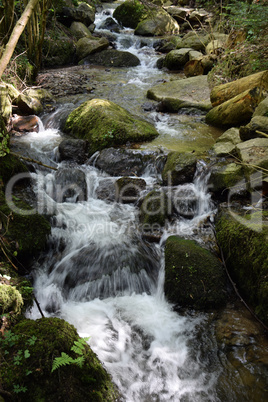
column 155, row 209
column 191, row 92
column 185, row 200
column 127, row 162
column 179, row 168
column 225, row 176
column 112, row 58
column 193, row 276
column 74, row 150
column 105, row 124
column 111, row 25
column 193, row 41
column 106, row 190
column 86, row 46
column 157, row 23
column 83, row 13
column 70, row 185
column 128, row 189
column 25, row 123
column 249, row 270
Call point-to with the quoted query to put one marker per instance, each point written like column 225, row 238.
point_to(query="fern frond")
column 63, row 360
column 79, row 361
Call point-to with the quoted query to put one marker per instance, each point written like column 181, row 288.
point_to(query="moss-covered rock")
column 244, row 241
column 176, row 59
column 155, row 209
column 112, row 58
column 58, row 49
column 10, row 299
column 193, row 276
column 179, row 168
column 35, row 344
column 128, row 189
column 130, row 13
column 224, row 176
column 105, row 124
column 86, row 46
column 9, row 167
column 157, row 23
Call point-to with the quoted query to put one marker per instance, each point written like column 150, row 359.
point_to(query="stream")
column 101, row 276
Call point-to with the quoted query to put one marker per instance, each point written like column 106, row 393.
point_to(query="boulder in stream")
column 128, row 189
column 193, row 276
column 73, row 149
column 157, row 23
column 112, row 58
column 86, row 46
column 129, row 162
column 130, row 13
column 179, row 168
column 105, row 124
column 174, row 95
column 176, row 59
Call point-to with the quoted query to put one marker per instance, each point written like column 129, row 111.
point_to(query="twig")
column 38, row 306
column 260, row 132
column 32, row 160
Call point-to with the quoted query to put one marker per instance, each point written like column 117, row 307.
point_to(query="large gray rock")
column 73, row 149
column 112, row 58
column 262, row 108
column 179, row 168
column 191, row 92
column 224, row 176
column 87, row 46
column 226, row 143
column 253, row 153
column 157, row 24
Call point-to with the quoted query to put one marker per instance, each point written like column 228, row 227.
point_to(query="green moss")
column 194, row 277
column 45, row 339
column 25, row 235
column 106, row 124
column 225, row 175
column 9, row 167
column 244, row 241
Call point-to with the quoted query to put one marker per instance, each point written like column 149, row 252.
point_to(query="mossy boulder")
column 244, row 241
column 105, row 124
column 86, row 46
column 226, row 143
column 130, row 13
column 79, row 30
column 176, row 59
column 225, row 176
column 155, row 209
column 10, row 166
column 36, row 344
column 179, row 168
column 193, row 276
column 157, row 23
column 58, row 49
column 253, row 153
column 5, row 103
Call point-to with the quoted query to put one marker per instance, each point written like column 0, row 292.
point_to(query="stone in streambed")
column 105, row 124
column 193, row 276
column 191, row 92
column 112, row 58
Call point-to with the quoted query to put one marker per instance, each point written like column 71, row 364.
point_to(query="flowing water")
column 102, row 277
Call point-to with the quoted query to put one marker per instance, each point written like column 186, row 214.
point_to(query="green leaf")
column 26, row 354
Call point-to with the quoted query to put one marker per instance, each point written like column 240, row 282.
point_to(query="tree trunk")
column 236, row 110
column 222, row 93
column 16, row 33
